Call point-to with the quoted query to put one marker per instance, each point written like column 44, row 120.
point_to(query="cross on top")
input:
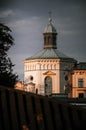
column 50, row 19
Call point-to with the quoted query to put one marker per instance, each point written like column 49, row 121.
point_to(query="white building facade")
column 48, row 67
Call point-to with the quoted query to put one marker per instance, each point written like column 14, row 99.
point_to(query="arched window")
column 55, row 66
column 38, row 66
column 47, row 66
column 44, row 66
column 45, row 40
column 51, row 66
column 48, row 85
column 49, row 40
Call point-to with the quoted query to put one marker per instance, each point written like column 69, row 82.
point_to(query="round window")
column 66, row 77
column 31, row 78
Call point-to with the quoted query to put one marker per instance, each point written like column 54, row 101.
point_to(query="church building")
column 47, row 71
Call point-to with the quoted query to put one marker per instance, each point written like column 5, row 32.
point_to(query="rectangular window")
column 80, row 83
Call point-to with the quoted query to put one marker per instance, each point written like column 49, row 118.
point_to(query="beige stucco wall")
column 65, row 69
column 40, row 68
column 75, row 89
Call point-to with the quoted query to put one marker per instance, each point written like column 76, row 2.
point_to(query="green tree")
column 7, row 77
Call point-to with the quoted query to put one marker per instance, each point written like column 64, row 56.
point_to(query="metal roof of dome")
column 50, row 28
column 49, row 54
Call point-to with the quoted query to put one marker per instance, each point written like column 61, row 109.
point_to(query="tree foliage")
column 7, row 77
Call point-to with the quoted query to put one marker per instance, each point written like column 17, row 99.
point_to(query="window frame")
column 80, row 82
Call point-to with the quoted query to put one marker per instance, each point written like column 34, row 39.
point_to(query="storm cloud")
column 28, row 18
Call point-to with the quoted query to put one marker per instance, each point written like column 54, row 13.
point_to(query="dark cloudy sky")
column 28, row 18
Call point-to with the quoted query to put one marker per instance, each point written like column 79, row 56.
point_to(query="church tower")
column 44, row 72
column 50, row 36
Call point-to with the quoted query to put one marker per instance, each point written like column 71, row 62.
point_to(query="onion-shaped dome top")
column 50, row 28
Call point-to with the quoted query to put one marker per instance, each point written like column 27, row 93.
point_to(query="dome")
column 49, row 54
column 50, row 28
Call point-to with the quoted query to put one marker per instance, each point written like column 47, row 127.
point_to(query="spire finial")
column 50, row 19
